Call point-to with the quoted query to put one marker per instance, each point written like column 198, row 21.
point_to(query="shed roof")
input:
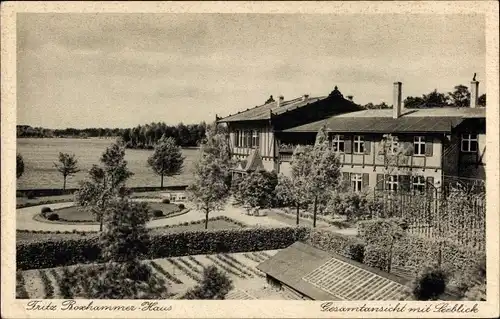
column 318, row 275
column 381, row 121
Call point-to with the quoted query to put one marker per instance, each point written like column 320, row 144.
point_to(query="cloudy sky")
column 121, row 70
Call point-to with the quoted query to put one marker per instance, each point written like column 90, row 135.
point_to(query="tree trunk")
column 161, row 181
column 100, row 224
column 64, row 184
column 206, row 219
column 315, row 210
column 298, row 211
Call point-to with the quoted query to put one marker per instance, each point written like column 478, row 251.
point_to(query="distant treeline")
column 28, row 131
column 141, row 136
column 460, row 97
column 145, row 136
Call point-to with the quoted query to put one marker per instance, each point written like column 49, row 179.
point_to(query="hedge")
column 336, row 243
column 48, row 254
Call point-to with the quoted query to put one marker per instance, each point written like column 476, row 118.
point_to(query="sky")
column 121, row 70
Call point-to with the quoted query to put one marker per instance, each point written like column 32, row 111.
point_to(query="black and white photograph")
column 330, row 157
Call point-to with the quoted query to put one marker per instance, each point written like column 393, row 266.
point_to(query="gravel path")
column 25, row 221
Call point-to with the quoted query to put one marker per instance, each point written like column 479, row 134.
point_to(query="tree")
column 414, row 102
column 481, row 101
column 257, row 189
column 295, row 190
column 104, row 183
column 324, row 177
column 210, row 187
column 123, row 243
column 215, row 285
column 460, row 97
column 67, row 166
column 19, row 165
column 167, row 159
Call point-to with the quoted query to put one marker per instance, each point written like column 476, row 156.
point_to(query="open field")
column 40, row 154
column 180, row 273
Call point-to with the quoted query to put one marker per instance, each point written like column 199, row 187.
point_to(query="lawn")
column 195, row 225
column 180, row 274
column 73, row 213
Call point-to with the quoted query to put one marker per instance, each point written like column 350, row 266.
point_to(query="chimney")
column 396, row 108
column 305, row 97
column 474, row 93
column 280, row 100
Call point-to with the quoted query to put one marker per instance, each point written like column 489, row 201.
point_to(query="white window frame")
column 418, row 181
column 337, row 141
column 469, row 139
column 242, row 138
column 392, row 183
column 419, row 142
column 359, row 145
column 357, row 182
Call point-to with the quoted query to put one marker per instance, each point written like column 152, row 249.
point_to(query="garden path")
column 25, row 219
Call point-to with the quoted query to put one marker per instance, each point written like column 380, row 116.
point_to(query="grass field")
column 40, row 154
column 74, row 214
column 180, row 274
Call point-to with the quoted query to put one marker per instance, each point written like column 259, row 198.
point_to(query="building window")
column 356, row 182
column 392, row 183
column 241, row 142
column 418, row 184
column 469, row 142
column 419, row 145
column 359, row 145
column 338, row 143
column 255, row 138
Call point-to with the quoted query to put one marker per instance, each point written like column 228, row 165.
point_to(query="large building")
column 440, row 144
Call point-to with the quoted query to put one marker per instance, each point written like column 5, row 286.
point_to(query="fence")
column 456, row 215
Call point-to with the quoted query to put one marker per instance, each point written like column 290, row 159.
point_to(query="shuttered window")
column 357, row 182
column 418, row 184
column 359, row 144
column 391, row 183
column 338, row 143
column 419, row 145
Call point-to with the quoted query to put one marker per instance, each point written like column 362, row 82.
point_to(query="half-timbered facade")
column 440, row 144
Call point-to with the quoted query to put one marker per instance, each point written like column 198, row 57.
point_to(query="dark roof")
column 298, row 263
column 381, row 121
column 263, row 112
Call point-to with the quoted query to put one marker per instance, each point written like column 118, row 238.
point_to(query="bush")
column 46, row 210
column 429, row 284
column 356, row 252
column 376, row 256
column 333, row 242
column 157, row 213
column 49, row 254
column 165, row 201
column 53, row 216
column 181, row 206
column 352, row 205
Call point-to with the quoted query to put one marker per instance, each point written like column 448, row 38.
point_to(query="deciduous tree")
column 167, row 159
column 67, row 166
column 210, row 188
column 460, row 97
column 324, row 177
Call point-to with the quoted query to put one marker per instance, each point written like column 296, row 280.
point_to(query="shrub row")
column 44, row 202
column 252, row 257
column 236, row 261
column 189, row 265
column 194, row 260
column 165, row 273
column 329, row 221
column 340, row 244
column 234, row 265
column 226, row 268
column 54, row 253
column 185, row 270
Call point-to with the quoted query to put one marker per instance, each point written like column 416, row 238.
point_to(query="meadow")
column 39, row 155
